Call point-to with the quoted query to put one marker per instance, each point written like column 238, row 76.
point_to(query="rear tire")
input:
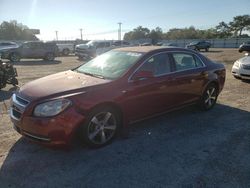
column 209, row 97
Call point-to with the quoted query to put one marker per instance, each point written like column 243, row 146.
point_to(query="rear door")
column 38, row 50
column 188, row 77
column 26, row 50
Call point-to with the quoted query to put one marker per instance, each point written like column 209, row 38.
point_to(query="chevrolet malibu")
column 102, row 97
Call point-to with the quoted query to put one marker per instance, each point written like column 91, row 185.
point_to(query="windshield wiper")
column 94, row 75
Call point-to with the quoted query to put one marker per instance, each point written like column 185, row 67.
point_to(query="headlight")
column 236, row 64
column 51, row 108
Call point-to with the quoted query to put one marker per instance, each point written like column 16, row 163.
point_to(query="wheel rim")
column 210, row 98
column 102, row 128
column 14, row 57
column 50, row 57
column 65, row 52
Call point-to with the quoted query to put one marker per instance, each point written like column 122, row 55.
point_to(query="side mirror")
column 141, row 75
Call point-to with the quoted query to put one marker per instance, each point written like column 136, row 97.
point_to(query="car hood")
column 3, row 49
column 63, row 83
column 245, row 60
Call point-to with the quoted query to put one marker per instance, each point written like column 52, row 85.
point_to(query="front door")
column 149, row 96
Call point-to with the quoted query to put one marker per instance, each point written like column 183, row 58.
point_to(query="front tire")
column 237, row 77
column 50, row 57
column 101, row 127
column 65, row 52
column 209, row 97
column 14, row 82
column 15, row 57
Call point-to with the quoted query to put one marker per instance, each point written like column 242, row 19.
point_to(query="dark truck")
column 35, row 50
column 199, row 45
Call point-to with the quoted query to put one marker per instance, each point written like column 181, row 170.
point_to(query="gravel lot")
column 186, row 148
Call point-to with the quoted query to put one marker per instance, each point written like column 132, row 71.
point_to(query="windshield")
column 110, row 65
column 90, row 43
column 193, row 43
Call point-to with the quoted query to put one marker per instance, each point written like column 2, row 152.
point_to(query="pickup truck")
column 66, row 49
column 199, row 45
column 92, row 49
column 35, row 50
column 96, row 47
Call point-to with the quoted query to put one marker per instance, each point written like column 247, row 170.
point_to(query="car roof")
column 32, row 42
column 101, row 40
column 146, row 49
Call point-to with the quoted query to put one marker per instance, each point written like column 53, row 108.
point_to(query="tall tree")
column 240, row 24
column 184, row 33
column 156, row 35
column 223, row 30
column 15, row 31
column 137, row 33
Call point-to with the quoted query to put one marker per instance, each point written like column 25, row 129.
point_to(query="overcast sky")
column 99, row 18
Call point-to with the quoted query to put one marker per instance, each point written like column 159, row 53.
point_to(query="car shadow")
column 185, row 148
column 246, row 81
column 69, row 55
column 83, row 60
column 215, row 51
column 212, row 51
column 6, row 94
column 36, row 62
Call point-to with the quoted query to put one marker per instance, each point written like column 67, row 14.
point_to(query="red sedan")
column 103, row 96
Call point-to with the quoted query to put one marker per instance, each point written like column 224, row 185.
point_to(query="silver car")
column 241, row 68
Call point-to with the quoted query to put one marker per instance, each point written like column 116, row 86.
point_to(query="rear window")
column 184, row 61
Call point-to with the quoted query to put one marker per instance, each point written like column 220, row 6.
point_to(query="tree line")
column 15, row 31
column 232, row 29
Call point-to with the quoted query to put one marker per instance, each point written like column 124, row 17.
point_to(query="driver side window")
column 100, row 45
column 26, row 45
column 158, row 64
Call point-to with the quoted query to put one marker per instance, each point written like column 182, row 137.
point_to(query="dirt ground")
column 186, row 148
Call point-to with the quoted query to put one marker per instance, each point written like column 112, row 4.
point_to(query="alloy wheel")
column 102, row 128
column 210, row 97
column 15, row 57
column 50, row 57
